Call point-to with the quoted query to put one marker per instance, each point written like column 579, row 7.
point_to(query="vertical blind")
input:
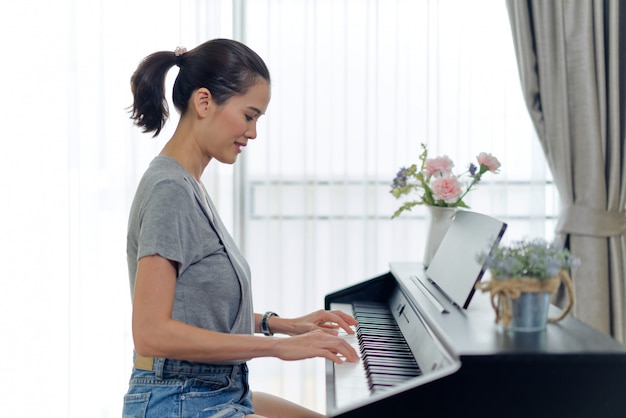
column 357, row 86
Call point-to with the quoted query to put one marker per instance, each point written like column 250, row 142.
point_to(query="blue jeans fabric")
column 184, row 389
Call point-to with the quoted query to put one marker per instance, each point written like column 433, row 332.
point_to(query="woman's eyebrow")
column 256, row 110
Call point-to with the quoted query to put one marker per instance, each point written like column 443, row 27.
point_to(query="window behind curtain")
column 357, row 85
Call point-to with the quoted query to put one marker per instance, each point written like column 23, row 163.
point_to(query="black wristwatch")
column 265, row 328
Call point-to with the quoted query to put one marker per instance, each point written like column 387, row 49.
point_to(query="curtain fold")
column 569, row 56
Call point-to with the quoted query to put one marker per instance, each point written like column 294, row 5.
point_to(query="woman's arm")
column 156, row 334
column 327, row 321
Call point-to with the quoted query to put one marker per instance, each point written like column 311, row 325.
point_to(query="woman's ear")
column 202, row 101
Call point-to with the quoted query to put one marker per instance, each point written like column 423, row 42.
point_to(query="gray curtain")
column 569, row 54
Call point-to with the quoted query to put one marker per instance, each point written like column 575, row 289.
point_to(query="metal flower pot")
column 529, row 313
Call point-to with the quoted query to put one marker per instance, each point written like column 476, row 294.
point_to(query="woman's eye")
column 249, row 118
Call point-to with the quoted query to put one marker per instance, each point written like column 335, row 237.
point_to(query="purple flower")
column 401, row 179
column 472, row 169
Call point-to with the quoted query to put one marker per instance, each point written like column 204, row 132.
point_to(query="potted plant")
column 439, row 189
column 524, row 275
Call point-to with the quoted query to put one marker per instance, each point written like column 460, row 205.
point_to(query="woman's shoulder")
column 165, row 176
column 165, row 169
column 164, row 166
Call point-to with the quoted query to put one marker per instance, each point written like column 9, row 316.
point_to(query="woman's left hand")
column 327, row 321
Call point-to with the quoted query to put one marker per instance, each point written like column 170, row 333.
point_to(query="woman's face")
column 234, row 123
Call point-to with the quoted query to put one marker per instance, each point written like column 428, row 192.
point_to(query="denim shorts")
column 184, row 389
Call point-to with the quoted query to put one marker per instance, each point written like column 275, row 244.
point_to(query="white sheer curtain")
column 71, row 162
column 357, row 85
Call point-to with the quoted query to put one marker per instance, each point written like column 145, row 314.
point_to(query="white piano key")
column 350, row 379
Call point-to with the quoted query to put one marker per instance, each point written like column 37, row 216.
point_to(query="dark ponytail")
column 149, row 109
column 223, row 66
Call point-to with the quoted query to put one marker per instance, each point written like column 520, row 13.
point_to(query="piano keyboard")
column 385, row 357
column 396, row 347
column 385, row 354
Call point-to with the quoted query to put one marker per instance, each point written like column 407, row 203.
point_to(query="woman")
column 193, row 323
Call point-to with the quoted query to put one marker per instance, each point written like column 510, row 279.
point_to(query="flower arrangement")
column 526, row 267
column 534, row 258
column 438, row 185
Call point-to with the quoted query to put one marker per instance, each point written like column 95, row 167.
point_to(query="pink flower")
column 436, row 184
column 488, row 161
column 447, row 189
column 439, row 167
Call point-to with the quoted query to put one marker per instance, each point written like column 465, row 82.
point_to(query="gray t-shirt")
column 173, row 217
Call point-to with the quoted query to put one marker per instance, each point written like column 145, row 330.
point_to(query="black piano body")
column 569, row 370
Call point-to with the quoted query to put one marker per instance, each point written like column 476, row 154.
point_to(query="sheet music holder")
column 454, row 269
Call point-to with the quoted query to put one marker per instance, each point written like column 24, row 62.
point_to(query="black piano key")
column 378, row 329
column 378, row 319
column 391, row 338
column 377, row 350
column 381, row 344
column 380, row 338
column 391, row 362
column 385, row 370
column 386, row 356
column 375, row 316
column 373, row 327
column 391, row 371
column 371, row 337
column 373, row 331
column 387, row 353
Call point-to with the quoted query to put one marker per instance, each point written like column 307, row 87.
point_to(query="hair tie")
column 179, row 51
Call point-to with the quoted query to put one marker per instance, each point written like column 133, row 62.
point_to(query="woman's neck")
column 184, row 149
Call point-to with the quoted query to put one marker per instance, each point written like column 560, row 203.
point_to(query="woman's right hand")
column 316, row 344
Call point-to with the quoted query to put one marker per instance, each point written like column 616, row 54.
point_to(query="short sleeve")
column 164, row 222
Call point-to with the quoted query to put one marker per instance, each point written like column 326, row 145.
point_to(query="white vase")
column 439, row 220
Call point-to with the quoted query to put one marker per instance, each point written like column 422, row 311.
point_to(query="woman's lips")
column 239, row 146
